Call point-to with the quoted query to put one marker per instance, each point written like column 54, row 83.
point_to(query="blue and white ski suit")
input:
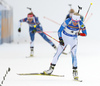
column 69, row 33
column 38, row 29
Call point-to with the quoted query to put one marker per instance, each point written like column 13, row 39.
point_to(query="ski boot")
column 31, row 51
column 75, row 74
column 51, row 68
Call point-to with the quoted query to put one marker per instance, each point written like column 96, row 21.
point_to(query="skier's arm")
column 64, row 24
column 23, row 20
column 83, row 28
column 60, row 33
column 84, row 33
column 62, row 27
column 20, row 22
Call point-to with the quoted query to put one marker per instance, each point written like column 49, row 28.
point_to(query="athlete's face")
column 75, row 23
column 71, row 14
column 30, row 19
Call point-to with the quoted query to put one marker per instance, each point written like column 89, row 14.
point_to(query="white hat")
column 75, row 17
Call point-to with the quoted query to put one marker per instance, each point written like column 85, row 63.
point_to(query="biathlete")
column 34, row 26
column 68, row 34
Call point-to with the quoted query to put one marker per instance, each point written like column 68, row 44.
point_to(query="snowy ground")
column 14, row 56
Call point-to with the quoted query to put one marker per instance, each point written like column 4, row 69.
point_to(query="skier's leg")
column 55, row 59
column 73, row 54
column 46, row 38
column 57, row 55
column 32, row 44
column 74, row 59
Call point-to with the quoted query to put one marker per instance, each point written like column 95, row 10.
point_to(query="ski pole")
column 47, row 35
column 47, row 31
column 4, row 77
column 51, row 20
column 88, row 10
column 55, row 40
column 88, row 18
column 86, row 13
column 50, row 31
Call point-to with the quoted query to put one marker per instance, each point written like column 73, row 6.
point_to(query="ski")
column 40, row 74
column 64, row 53
column 29, row 56
column 78, row 80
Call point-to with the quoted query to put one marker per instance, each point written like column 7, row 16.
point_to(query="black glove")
column 78, row 33
column 34, row 31
column 61, row 41
column 19, row 30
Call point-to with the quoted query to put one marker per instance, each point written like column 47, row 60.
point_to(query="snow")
column 14, row 55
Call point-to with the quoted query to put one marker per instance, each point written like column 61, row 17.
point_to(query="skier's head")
column 30, row 16
column 71, row 12
column 75, row 18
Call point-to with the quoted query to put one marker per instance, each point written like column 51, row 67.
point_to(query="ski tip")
column 81, row 81
column 62, row 75
column 19, row 74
